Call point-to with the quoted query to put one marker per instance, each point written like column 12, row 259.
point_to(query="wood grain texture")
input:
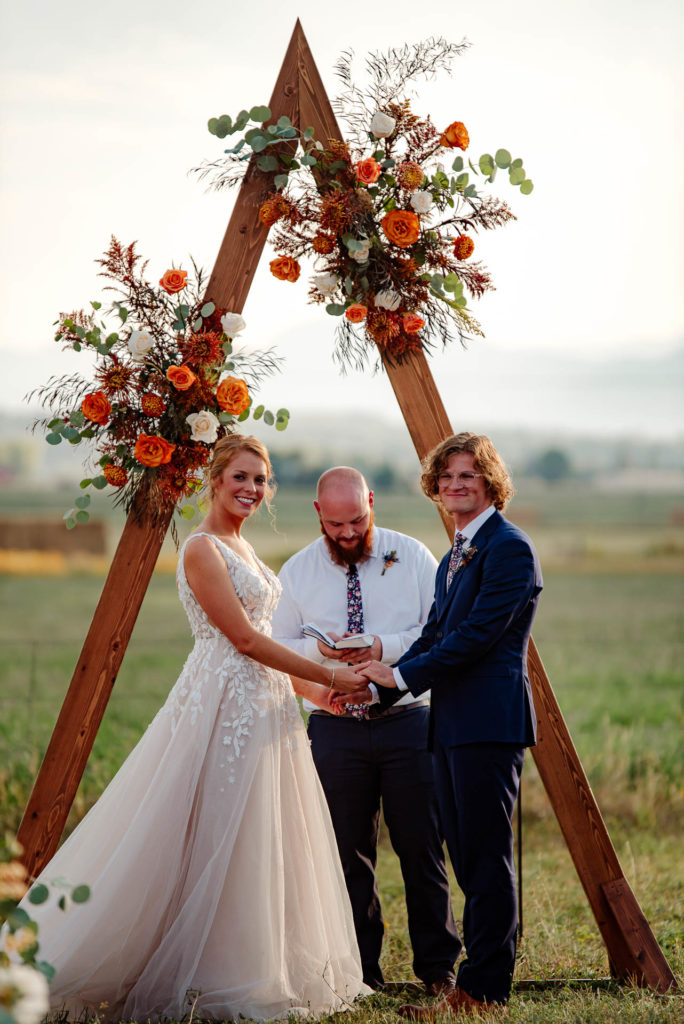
column 637, row 934
column 92, row 683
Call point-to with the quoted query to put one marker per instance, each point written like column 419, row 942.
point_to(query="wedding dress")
column 215, row 878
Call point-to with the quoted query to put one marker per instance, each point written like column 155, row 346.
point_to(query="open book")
column 357, row 640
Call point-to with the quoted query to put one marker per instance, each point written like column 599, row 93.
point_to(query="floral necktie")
column 354, row 602
column 456, row 556
column 355, row 625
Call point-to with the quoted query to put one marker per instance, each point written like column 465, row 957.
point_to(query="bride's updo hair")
column 225, row 450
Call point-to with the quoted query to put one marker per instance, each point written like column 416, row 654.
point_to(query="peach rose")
column 455, row 136
column 174, row 281
column 115, row 475
column 412, row 322
column 151, row 450
column 181, row 377
column 232, row 395
column 368, row 171
column 96, row 408
column 401, row 227
column 463, row 247
column 356, row 313
column 285, row 268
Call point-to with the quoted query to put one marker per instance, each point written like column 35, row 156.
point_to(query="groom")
column 472, row 654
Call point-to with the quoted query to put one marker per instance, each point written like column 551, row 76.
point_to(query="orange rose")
column 455, row 136
column 174, row 281
column 285, row 268
column 463, row 247
column 412, row 322
column 232, row 395
column 368, row 171
column 151, row 450
column 115, row 475
column 181, row 377
column 96, row 408
column 401, row 227
column 356, row 313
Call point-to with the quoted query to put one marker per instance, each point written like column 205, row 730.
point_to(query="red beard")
column 351, row 555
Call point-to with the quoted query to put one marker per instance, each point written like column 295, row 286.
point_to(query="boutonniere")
column 389, row 559
column 467, row 556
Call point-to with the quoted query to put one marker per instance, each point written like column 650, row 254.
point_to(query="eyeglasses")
column 444, row 479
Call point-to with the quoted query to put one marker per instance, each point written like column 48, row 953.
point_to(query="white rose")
column 382, row 125
column 326, row 283
column 204, row 426
column 24, row 993
column 139, row 344
column 361, row 255
column 232, row 324
column 421, row 201
column 388, row 300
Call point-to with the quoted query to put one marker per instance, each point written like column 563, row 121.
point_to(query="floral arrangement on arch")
column 166, row 383
column 389, row 229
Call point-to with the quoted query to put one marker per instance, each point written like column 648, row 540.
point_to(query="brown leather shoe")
column 441, row 987
column 458, row 1001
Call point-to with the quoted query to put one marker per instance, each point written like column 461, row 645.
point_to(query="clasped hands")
column 351, row 687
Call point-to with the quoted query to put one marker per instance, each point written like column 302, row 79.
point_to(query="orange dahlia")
column 115, row 475
column 323, row 244
column 152, row 405
column 463, row 247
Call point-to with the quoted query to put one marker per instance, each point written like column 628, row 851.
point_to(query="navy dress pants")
column 364, row 763
column 477, row 787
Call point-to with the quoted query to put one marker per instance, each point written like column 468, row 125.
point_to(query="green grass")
column 611, row 640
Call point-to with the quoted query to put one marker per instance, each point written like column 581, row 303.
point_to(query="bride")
column 216, row 883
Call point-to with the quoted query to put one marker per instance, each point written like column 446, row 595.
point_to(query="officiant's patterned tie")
column 354, row 602
column 456, row 556
column 355, row 625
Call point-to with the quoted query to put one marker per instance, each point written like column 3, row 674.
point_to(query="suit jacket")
column 472, row 652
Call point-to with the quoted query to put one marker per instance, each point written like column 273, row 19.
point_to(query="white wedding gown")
column 211, row 858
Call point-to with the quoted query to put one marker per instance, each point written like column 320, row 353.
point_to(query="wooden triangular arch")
column 632, row 948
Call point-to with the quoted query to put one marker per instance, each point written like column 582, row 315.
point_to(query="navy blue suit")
column 472, row 655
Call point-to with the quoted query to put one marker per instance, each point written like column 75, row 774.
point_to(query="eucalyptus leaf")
column 281, row 424
column 516, row 163
column 77, row 346
column 71, row 434
column 463, row 179
column 260, row 113
column 308, row 160
column 453, row 283
column 96, row 305
column 225, row 417
column 243, row 416
column 269, row 418
column 526, row 187
column 259, row 144
column 188, row 512
column 516, row 175
column 57, row 425
column 334, row 309
column 284, row 121
column 308, row 134
column 88, row 432
column 207, row 309
column 280, row 180
column 81, row 894
column 502, row 158
column 70, row 523
column 267, row 163
column 457, row 164
column 197, row 325
column 83, row 501
column 38, row 894
column 486, row 163
column 99, row 482
column 258, row 412
column 469, row 191
column 86, row 482
column 283, row 414
column 82, row 516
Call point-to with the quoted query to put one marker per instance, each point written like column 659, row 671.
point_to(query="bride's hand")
column 378, row 673
column 320, row 696
column 347, row 680
column 339, row 700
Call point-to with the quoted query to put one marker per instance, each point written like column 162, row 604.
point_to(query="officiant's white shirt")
column 396, row 598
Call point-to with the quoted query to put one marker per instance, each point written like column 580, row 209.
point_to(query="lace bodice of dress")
column 258, row 590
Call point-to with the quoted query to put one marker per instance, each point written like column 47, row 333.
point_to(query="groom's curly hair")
column 486, row 460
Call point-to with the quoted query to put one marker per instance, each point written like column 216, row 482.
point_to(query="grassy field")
column 610, row 633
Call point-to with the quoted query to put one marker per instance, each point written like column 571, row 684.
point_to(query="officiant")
column 361, row 578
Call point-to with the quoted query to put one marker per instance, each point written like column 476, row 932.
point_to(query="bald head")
column 345, row 509
column 342, row 480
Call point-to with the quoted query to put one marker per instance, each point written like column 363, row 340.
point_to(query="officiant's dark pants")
column 360, row 764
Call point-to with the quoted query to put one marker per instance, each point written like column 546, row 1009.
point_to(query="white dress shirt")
column 468, row 532
column 396, row 598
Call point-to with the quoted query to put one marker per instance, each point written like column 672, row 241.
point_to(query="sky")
column 104, row 112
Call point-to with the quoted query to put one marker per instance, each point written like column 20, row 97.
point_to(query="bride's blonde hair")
column 225, row 450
